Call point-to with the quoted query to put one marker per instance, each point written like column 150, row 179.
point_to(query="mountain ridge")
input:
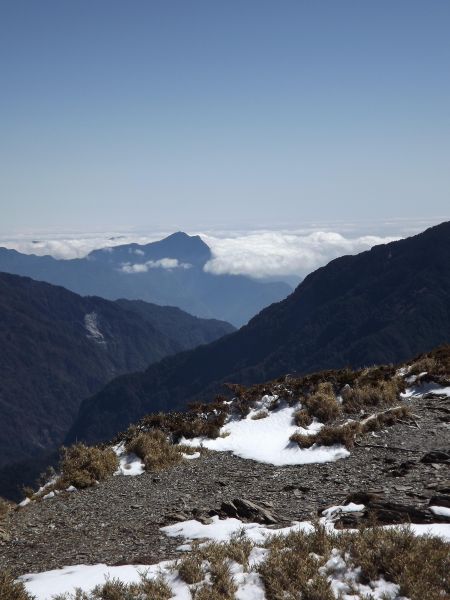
column 60, row 347
column 167, row 272
column 382, row 305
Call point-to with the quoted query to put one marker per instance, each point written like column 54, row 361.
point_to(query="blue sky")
column 190, row 114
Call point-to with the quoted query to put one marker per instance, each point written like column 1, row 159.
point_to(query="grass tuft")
column 11, row 589
column 82, row 466
column 323, row 404
column 155, row 450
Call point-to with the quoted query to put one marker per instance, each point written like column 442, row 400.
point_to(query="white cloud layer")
column 258, row 253
column 163, row 263
column 277, row 253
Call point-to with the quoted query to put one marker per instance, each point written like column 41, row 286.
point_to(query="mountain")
column 58, row 348
column 167, row 272
column 379, row 306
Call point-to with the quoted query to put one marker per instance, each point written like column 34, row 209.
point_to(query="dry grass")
column 82, row 466
column 384, row 419
column 11, row 590
column 329, row 435
column 155, row 450
column 426, row 364
column 261, row 414
column 323, row 404
column 114, row 589
column 302, row 418
column 290, row 570
column 369, row 394
column 190, row 568
column 419, row 565
column 5, row 507
column 221, row 586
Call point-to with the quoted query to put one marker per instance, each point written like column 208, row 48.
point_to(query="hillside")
column 193, row 499
column 379, row 306
column 58, row 348
column 166, row 272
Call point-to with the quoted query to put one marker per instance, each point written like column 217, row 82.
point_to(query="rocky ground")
column 118, row 521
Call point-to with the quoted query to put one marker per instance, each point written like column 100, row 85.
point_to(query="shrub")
column 5, row 507
column 82, row 465
column 371, row 394
column 386, row 418
column 12, row 590
column 190, row 568
column 427, row 364
column 114, row 589
column 323, row 404
column 261, row 414
column 302, row 418
column 420, row 565
column 155, row 450
column 329, row 436
column 222, row 586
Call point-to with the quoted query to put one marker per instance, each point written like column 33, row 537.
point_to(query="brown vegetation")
column 302, row 418
column 419, row 565
column 323, row 404
column 12, row 590
column 82, row 466
column 155, row 450
column 261, row 414
column 329, row 435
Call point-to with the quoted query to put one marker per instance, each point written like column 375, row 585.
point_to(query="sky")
column 202, row 114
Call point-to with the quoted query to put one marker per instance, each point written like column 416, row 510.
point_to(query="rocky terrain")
column 397, row 472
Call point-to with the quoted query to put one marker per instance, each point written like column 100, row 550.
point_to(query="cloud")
column 162, row 263
column 264, row 254
column 257, row 253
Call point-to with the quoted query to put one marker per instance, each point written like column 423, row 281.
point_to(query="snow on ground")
column 60, row 581
column 341, row 574
column 425, row 388
column 442, row 511
column 91, row 325
column 129, row 463
column 267, row 440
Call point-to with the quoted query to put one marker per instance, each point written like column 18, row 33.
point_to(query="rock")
column 436, row 456
column 440, row 500
column 247, row 511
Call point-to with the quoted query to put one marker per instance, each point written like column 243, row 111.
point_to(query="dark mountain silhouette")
column 167, row 272
column 380, row 306
column 58, row 348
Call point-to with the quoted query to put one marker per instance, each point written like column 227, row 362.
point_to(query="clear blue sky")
column 189, row 113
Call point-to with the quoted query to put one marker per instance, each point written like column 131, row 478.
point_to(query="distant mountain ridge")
column 166, row 272
column 380, row 306
column 59, row 347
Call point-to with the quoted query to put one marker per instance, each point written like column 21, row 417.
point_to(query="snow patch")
column 267, row 440
column 91, row 325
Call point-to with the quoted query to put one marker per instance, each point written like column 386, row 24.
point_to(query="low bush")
column 114, row 589
column 329, row 435
column 295, row 565
column 363, row 395
column 190, row 568
column 155, row 450
column 82, row 466
column 427, row 364
column 5, row 507
column 323, row 404
column 261, row 414
column 384, row 419
column 11, row 589
column 302, row 418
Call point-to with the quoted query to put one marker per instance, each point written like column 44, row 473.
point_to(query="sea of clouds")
column 262, row 253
